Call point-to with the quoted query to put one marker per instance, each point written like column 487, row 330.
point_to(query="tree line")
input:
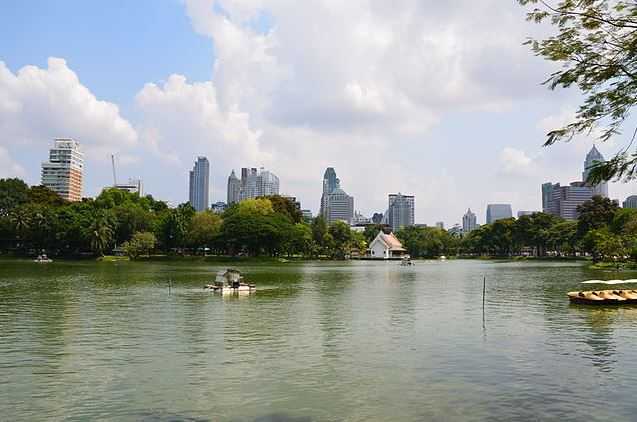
column 35, row 219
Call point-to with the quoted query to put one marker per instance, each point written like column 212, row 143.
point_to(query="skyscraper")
column 400, row 211
column 469, row 222
column 199, row 184
column 255, row 183
column 630, row 202
column 547, row 197
column 592, row 157
column 497, row 212
column 565, row 199
column 234, row 189
column 64, row 172
column 336, row 204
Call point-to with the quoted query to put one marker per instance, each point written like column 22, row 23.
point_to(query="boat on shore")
column 230, row 281
column 604, row 297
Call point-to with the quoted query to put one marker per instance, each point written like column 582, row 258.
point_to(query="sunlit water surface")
column 355, row 341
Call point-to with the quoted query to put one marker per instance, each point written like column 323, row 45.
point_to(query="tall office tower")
column 234, row 189
column 592, row 157
column 400, row 211
column 255, row 183
column 565, row 199
column 330, row 182
column 336, row 204
column 199, row 184
column 498, row 212
column 64, row 172
column 547, row 197
column 469, row 222
column 630, row 202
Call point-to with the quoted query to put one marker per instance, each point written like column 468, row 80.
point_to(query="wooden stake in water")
column 484, row 290
column 169, row 285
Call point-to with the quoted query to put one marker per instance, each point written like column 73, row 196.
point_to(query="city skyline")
column 199, row 184
column 351, row 118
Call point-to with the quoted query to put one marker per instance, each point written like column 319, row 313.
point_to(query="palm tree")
column 21, row 221
column 100, row 235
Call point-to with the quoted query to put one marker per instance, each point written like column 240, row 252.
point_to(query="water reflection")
column 318, row 341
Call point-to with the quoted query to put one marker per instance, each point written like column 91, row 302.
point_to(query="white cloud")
column 181, row 120
column 360, row 84
column 8, row 167
column 38, row 104
column 515, row 162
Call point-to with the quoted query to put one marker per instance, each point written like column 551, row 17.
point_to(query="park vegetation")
column 34, row 219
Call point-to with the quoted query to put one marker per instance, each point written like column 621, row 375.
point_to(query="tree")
column 595, row 43
column 142, row 243
column 101, row 234
column 342, row 236
column 13, row 193
column 204, row 229
column 287, row 207
column 594, row 214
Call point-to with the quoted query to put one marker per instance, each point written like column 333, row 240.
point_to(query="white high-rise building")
column 592, row 157
column 469, row 222
column 400, row 211
column 256, row 183
column 64, row 172
column 199, row 184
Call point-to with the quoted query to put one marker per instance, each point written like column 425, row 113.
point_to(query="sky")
column 440, row 100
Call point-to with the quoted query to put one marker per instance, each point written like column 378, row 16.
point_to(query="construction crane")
column 114, row 174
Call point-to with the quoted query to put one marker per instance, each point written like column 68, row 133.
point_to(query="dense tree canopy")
column 596, row 44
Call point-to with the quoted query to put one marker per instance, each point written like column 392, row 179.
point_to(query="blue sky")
column 436, row 99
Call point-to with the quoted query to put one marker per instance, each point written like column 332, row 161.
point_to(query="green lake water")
column 351, row 341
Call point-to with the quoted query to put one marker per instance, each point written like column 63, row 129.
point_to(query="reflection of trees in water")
column 334, row 313
column 602, row 323
column 400, row 288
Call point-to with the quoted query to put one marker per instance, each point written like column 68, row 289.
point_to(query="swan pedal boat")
column 604, row 297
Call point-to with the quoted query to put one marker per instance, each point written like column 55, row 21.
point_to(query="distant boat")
column 230, row 281
column 442, row 258
column 42, row 259
column 406, row 261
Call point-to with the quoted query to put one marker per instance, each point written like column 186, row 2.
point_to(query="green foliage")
column 204, row 229
column 142, row 243
column 13, row 193
column 286, row 207
column 596, row 213
column 427, row 241
column 594, row 41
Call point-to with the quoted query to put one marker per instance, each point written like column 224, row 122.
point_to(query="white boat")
column 42, row 259
column 230, row 281
column 406, row 261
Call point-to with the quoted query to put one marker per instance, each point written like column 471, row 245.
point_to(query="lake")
column 318, row 341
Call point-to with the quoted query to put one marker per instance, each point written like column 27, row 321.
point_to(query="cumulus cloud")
column 352, row 84
column 181, row 120
column 515, row 162
column 38, row 104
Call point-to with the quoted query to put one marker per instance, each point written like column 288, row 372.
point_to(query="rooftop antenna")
column 114, row 174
